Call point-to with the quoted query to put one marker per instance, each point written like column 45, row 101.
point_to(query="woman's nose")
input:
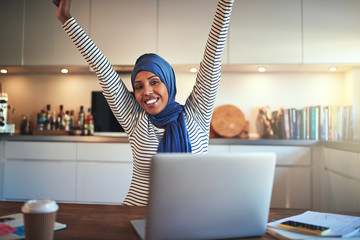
column 148, row 90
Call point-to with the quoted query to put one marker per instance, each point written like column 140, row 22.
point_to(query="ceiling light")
column 64, row 70
column 3, row 71
column 193, row 70
column 332, row 69
column 261, row 69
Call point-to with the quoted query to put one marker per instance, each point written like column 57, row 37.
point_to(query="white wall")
column 29, row 93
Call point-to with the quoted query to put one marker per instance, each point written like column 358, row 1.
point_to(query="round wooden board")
column 228, row 121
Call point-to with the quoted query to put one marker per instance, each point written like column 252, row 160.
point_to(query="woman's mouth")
column 151, row 101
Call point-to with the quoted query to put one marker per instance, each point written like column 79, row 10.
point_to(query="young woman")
column 152, row 119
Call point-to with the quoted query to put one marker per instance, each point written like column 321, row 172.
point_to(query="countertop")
column 124, row 139
column 352, row 146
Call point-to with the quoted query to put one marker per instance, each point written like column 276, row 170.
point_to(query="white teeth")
column 151, row 101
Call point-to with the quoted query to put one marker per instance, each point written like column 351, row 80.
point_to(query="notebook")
column 209, row 196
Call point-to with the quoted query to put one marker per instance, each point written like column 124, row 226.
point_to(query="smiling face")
column 150, row 92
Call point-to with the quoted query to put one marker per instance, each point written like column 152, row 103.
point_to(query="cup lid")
column 39, row 206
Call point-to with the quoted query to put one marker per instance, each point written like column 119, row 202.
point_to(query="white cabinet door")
column 341, row 177
column 292, row 182
column 344, row 193
column 46, row 43
column 104, row 152
column 103, row 182
column 40, row 150
column 342, row 162
column 39, row 170
column 104, row 172
column 11, row 25
column 184, row 27
column 28, row 179
column 285, row 155
column 124, row 29
column 263, row 31
column 331, row 31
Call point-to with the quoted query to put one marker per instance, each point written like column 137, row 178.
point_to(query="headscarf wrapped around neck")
column 176, row 137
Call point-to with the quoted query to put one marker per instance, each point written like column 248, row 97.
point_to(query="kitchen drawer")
column 31, row 179
column 342, row 162
column 285, row 155
column 40, row 150
column 114, row 152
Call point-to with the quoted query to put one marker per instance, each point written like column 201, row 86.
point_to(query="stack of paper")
column 342, row 226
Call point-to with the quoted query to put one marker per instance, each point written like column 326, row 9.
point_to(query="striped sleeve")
column 121, row 102
column 202, row 98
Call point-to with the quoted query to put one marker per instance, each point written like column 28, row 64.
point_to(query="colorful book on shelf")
column 286, row 123
column 329, row 118
column 307, row 123
column 299, row 124
column 303, row 123
column 346, row 117
column 348, row 122
column 351, row 122
column 293, row 123
column 324, row 131
column 339, row 123
column 334, row 123
column 314, row 122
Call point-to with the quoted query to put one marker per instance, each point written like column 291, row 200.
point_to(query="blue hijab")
column 176, row 137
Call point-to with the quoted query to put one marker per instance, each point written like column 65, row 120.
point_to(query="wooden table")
column 92, row 221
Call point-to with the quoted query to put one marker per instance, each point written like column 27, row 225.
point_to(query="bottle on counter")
column 41, row 120
column 67, row 121
column 72, row 120
column 60, row 119
column 89, row 122
column 26, row 125
column 81, row 119
column 48, row 117
column 53, row 122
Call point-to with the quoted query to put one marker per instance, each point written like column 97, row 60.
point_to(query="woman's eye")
column 138, row 87
column 154, row 82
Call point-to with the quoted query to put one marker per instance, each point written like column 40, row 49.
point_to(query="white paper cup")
column 39, row 219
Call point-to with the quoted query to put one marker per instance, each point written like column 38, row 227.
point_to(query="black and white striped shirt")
column 144, row 137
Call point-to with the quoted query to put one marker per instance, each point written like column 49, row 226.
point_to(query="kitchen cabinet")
column 265, row 32
column 45, row 42
column 331, row 31
column 341, row 180
column 67, row 171
column 183, row 33
column 104, row 172
column 11, row 25
column 37, row 170
column 124, row 29
column 292, row 183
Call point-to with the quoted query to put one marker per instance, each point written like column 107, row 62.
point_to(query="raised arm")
column 202, row 99
column 114, row 90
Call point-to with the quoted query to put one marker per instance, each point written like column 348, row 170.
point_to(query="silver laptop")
column 210, row 196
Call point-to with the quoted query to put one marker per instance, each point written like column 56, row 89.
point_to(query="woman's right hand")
column 62, row 10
